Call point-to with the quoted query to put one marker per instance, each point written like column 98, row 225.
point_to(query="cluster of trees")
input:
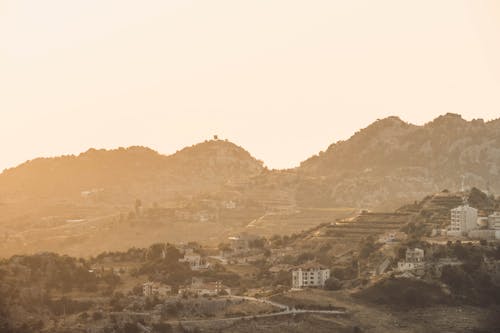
column 415, row 231
column 367, row 247
column 472, row 281
column 404, row 293
column 137, row 327
column 27, row 282
column 51, row 271
column 162, row 264
column 132, row 254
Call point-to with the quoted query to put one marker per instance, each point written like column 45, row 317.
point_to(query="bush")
column 404, row 293
column 97, row 316
column 131, row 328
column 162, row 328
column 332, row 284
column 346, row 273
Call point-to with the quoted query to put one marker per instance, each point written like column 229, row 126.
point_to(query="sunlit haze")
column 283, row 79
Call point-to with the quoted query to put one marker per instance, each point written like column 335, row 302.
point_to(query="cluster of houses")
column 150, row 289
column 201, row 288
column 242, row 242
column 195, row 261
column 193, row 210
column 466, row 222
column 198, row 287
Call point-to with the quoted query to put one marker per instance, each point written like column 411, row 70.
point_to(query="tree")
column 162, row 328
column 367, row 247
column 258, row 243
column 332, row 284
column 97, row 316
column 155, row 251
column 224, row 247
column 131, row 328
column 173, row 254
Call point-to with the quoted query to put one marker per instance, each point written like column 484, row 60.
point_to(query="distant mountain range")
column 383, row 165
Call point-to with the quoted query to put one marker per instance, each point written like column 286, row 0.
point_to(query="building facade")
column 463, row 219
column 414, row 261
column 195, row 261
column 494, row 221
column 310, row 276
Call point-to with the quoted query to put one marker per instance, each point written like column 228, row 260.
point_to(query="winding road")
column 285, row 310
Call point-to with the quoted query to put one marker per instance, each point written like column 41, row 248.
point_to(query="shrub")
column 162, row 328
column 332, row 284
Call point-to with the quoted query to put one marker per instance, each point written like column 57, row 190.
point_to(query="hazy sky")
column 284, row 79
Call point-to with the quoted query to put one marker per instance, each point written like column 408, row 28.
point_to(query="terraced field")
column 366, row 224
column 296, row 221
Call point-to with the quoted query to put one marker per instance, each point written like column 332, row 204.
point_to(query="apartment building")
column 309, row 275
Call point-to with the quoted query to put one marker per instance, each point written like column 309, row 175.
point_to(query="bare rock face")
column 391, row 161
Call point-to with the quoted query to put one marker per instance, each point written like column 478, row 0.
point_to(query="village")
column 464, row 225
column 252, row 269
column 325, row 270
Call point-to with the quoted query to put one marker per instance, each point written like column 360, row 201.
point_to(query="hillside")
column 218, row 188
column 40, row 198
column 128, row 173
column 391, row 162
column 62, row 293
column 382, row 166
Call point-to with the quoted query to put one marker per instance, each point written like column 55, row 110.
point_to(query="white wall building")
column 309, row 276
column 463, row 219
column 494, row 221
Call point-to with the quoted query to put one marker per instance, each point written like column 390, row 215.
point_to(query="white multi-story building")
column 311, row 275
column 494, row 221
column 463, row 219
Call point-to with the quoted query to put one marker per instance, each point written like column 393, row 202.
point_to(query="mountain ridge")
column 410, row 160
column 389, row 160
column 102, row 168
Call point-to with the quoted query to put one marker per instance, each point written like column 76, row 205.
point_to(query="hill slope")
column 129, row 173
column 382, row 166
column 392, row 161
